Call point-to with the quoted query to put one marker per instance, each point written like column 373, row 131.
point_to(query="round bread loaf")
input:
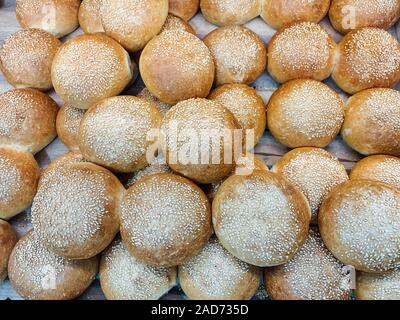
column 184, row 9
column 383, row 286
column 176, row 23
column 89, row 16
column 67, row 124
column 162, row 107
column 8, row 239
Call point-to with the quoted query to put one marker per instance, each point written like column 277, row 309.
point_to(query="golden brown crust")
column 383, row 286
column 162, row 107
column 19, row 175
column 372, row 122
column 38, row 274
column 8, row 239
column 89, row 16
column 67, row 124
column 176, row 66
column 26, row 57
column 280, row 13
column 176, row 23
column 184, row 9
column 239, row 54
column 58, row 17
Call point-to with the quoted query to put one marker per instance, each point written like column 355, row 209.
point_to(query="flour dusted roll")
column 76, row 210
column 315, row 172
column 346, row 15
column 184, row 9
column 26, row 57
column 379, row 168
column 367, row 58
column 383, row 286
column 89, row 16
column 114, row 133
column 27, row 119
column 280, row 13
column 230, row 12
column 176, row 66
column 176, row 23
column 305, row 113
column 301, row 50
column 38, row 274
column 67, row 124
column 312, row 274
column 162, row 107
column 215, row 274
column 260, row 218
column 360, row 224
column 372, row 122
column 239, row 54
column 133, row 23
column 8, row 239
column 165, row 220
column 123, row 277
column 89, row 68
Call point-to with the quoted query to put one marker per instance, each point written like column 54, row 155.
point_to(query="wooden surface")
column 269, row 149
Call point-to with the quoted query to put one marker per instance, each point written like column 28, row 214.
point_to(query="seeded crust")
column 8, row 239
column 67, row 124
column 184, row 9
column 176, row 23
column 382, row 286
column 89, row 16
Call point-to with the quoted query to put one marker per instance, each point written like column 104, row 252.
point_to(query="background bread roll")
column 162, row 107
column 184, row 9
column 89, row 16
column 8, row 239
column 67, row 124
column 383, row 286
column 176, row 23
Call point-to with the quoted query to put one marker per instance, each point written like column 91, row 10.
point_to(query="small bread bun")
column 38, row 274
column 176, row 23
column 280, row 13
column 301, row 50
column 26, row 57
column 305, row 113
column 176, row 66
column 76, row 210
column 114, row 132
column 379, row 168
column 184, row 9
column 346, row 15
column 89, row 16
column 383, row 286
column 247, row 107
column 19, row 175
column 89, row 68
column 165, row 220
column 230, row 12
column 239, row 54
column 162, row 107
column 68, row 121
column 312, row 274
column 199, row 117
column 215, row 274
column 372, row 122
column 8, row 239
column 368, row 58
column 260, row 218
column 27, row 119
column 58, row 17
column 315, row 172
column 359, row 223
column 133, row 23
column 123, row 277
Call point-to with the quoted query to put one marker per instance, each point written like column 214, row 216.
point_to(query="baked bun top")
column 383, row 286
column 68, row 122
column 89, row 16
column 8, row 239
column 176, row 23
column 184, row 9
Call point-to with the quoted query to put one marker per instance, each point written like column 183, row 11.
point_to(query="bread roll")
column 383, row 286
column 76, row 210
column 280, row 13
column 26, row 57
column 260, row 218
column 379, row 168
column 19, row 175
column 372, row 122
column 247, row 107
column 8, row 239
column 67, row 124
column 58, row 17
column 123, row 277
column 315, row 172
column 312, row 274
column 89, row 16
column 133, row 23
column 346, row 15
column 359, row 223
column 230, row 12
column 176, row 66
column 367, row 58
column 239, row 54
column 89, row 68
column 27, row 119
column 305, row 113
column 184, row 9
column 114, row 133
column 165, row 220
column 162, row 107
column 176, row 23
column 38, row 274
column 205, row 123
column 215, row 274
column 301, row 50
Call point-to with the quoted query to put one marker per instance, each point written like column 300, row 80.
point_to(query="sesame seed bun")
column 162, row 107
column 382, row 286
column 185, row 9
column 89, row 16
column 8, row 239
column 176, row 23
column 67, row 124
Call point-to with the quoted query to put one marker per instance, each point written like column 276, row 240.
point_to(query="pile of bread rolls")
column 145, row 224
